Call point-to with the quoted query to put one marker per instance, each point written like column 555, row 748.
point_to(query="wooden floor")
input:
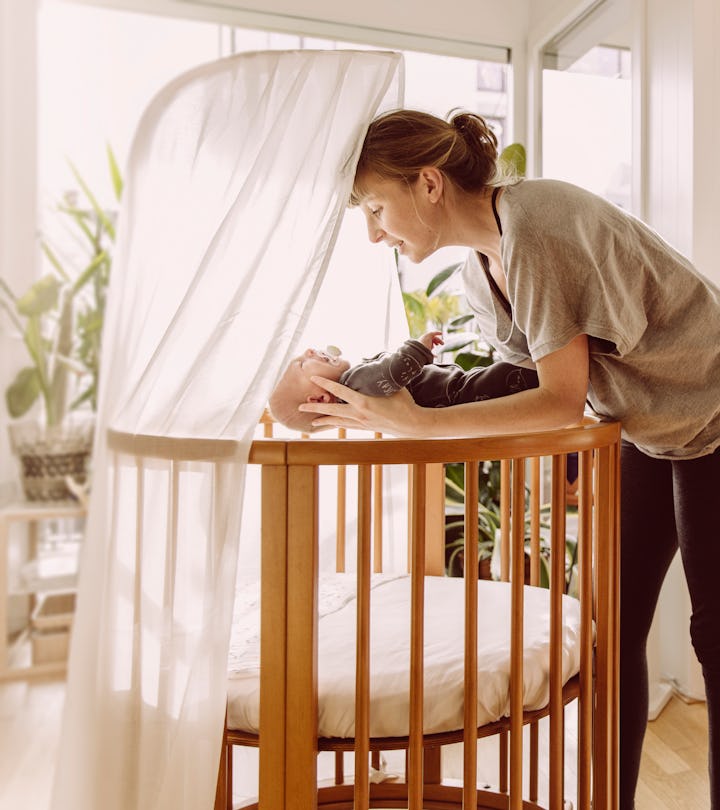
column 673, row 773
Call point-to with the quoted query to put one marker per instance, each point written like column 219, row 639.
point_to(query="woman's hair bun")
column 475, row 131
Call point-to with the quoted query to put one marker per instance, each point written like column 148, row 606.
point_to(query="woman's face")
column 402, row 216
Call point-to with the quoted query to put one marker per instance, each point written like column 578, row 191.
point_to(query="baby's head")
column 295, row 387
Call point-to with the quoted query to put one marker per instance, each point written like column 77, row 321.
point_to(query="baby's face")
column 313, row 362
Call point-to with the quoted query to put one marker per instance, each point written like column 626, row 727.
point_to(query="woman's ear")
column 432, row 183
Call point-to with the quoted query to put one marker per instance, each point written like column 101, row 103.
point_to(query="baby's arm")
column 388, row 372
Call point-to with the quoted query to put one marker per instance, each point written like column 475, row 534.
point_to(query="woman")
column 605, row 310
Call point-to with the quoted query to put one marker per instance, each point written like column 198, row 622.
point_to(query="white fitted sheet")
column 389, row 655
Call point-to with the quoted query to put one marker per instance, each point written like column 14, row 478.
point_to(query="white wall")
column 680, row 87
column 18, row 245
column 471, row 21
column 680, row 78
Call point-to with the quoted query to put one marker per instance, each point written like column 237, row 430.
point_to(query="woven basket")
column 48, row 456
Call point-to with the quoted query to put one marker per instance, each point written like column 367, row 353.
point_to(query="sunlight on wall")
column 591, row 147
column 98, row 69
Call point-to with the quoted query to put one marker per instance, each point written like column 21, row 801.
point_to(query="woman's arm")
column 558, row 401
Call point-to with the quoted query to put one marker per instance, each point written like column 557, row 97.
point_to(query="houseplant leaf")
column 22, row 392
column 40, row 298
column 513, row 159
column 97, row 208
column 440, row 278
column 115, row 174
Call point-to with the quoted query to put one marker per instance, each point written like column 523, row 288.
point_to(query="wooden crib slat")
column 417, row 616
column 606, row 534
column 340, row 512
column 471, row 634
column 505, row 520
column 362, row 644
column 302, row 621
column 535, row 486
column 340, row 520
column 557, row 587
column 273, row 637
column 377, row 513
column 503, row 738
column 535, row 493
column 517, row 584
column 585, row 592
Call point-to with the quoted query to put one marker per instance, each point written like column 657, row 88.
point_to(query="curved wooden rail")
column 592, row 434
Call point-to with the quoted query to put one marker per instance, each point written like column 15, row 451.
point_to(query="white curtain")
column 236, row 186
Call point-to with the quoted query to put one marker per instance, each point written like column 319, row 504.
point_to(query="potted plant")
column 59, row 320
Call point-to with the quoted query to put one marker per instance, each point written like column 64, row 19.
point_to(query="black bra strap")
column 496, row 191
column 494, row 285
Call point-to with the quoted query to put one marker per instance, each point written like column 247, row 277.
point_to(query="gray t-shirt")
column 577, row 264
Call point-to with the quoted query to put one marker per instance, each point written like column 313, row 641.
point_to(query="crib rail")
column 288, row 740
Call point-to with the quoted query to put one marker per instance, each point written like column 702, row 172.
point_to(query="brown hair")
column 400, row 143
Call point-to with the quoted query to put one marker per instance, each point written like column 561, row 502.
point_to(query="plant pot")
column 49, row 456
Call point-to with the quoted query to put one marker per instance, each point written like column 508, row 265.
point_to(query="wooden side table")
column 31, row 513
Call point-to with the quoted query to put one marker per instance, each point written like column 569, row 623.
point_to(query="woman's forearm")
column 528, row 411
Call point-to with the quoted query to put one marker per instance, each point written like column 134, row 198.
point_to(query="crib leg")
column 339, row 768
column 432, row 770
column 503, row 768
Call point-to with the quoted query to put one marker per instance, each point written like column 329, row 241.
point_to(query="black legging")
column 667, row 505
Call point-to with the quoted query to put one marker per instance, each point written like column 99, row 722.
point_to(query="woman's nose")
column 375, row 233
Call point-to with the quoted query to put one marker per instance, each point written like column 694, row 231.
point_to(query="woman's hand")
column 397, row 414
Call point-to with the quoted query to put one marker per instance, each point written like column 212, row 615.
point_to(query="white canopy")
column 235, row 190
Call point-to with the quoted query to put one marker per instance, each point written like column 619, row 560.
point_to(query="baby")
column 411, row 366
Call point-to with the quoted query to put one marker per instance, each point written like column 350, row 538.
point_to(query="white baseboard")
column 660, row 694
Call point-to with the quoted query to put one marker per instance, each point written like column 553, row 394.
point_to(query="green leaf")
column 413, row 305
column 115, row 174
column 440, row 278
column 7, row 291
column 88, row 273
column 97, row 208
column 456, row 323
column 513, row 159
column 468, row 360
column 40, row 298
column 52, row 257
column 21, row 394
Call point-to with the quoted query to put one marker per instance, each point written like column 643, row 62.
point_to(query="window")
column 586, row 105
column 100, row 67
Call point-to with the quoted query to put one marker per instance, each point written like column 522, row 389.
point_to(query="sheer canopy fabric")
column 236, row 187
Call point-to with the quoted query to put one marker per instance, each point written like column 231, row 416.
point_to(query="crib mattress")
column 389, row 654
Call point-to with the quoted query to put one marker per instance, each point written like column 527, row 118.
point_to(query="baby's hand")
column 431, row 339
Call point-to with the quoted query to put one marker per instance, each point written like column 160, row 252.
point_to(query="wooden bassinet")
column 578, row 644
column 366, row 661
